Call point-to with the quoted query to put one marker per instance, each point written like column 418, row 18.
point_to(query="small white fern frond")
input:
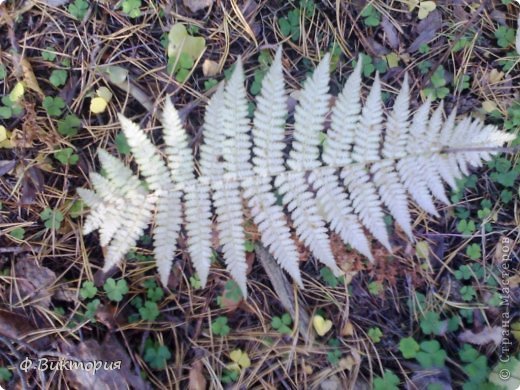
column 121, row 206
column 433, row 178
column 178, row 153
column 228, row 206
column 138, row 212
column 309, row 118
column 367, row 137
column 227, row 197
column 169, row 212
column 268, row 161
column 356, row 178
column 197, row 210
column 307, row 222
column 235, row 126
column 197, row 204
column 334, row 205
column 411, row 168
column 211, row 150
column 269, row 122
column 344, row 121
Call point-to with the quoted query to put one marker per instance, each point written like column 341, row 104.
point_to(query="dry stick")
column 282, row 288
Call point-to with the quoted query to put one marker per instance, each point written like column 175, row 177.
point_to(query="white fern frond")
column 369, row 163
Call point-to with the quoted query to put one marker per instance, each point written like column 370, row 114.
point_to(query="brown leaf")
column 32, row 183
column 6, row 166
column 14, row 326
column 33, row 282
column 347, row 330
column 197, row 5
column 197, row 379
column 427, row 30
column 391, row 34
column 109, row 351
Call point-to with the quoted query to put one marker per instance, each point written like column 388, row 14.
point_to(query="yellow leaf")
column 5, row 138
column 180, row 42
column 347, row 363
column 98, row 105
column 392, row 59
column 104, row 93
column 495, row 76
column 17, row 92
column 425, row 7
column 515, row 330
column 321, row 325
column 241, row 358
column 29, row 77
column 422, row 250
column 489, row 106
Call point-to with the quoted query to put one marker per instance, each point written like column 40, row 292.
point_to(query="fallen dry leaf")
column 347, row 330
column 428, row 28
column 210, row 68
column 17, row 327
column 197, row 380
column 347, row 363
column 197, row 5
column 33, row 282
column 487, row 335
column 108, row 351
column 29, row 77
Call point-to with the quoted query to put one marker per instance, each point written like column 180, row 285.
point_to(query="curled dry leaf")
column 487, row 335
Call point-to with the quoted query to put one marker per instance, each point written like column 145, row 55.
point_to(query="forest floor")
column 429, row 315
